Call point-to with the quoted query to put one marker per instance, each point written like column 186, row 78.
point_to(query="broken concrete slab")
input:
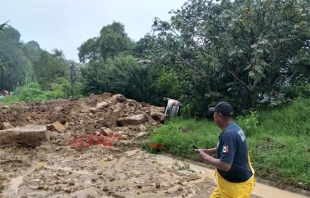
column 132, row 120
column 30, row 136
column 57, row 126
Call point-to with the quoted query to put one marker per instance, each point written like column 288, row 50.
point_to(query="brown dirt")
column 58, row 169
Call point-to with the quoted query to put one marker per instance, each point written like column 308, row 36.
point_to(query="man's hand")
column 202, row 153
column 215, row 162
column 206, row 151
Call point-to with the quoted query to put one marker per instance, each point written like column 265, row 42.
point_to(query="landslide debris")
column 70, row 118
column 81, row 144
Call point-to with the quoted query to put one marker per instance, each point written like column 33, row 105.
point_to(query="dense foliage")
column 243, row 51
column 114, row 63
column 25, row 63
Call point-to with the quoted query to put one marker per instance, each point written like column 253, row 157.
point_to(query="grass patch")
column 9, row 99
column 278, row 141
column 32, row 92
column 178, row 136
column 282, row 159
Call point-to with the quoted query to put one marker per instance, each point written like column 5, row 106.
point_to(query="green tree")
column 121, row 74
column 49, row 67
column 27, row 63
column 114, row 40
column 109, row 65
column 142, row 46
column 2, row 34
column 17, row 68
column 32, row 50
column 89, row 50
column 239, row 50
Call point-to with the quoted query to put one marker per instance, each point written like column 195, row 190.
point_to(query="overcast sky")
column 66, row 24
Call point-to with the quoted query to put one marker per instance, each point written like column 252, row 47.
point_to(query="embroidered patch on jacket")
column 225, row 149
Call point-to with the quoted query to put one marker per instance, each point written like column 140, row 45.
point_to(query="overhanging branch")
column 240, row 81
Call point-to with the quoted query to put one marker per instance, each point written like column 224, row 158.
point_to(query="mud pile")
column 55, row 168
column 97, row 113
column 83, row 115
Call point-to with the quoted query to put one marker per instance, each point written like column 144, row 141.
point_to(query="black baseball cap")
column 224, row 108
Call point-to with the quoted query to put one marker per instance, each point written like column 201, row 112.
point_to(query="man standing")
column 234, row 172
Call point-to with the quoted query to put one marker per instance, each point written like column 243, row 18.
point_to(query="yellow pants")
column 226, row 189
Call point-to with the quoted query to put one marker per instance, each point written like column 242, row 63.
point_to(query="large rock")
column 141, row 135
column 118, row 98
column 158, row 116
column 158, row 109
column 5, row 107
column 58, row 109
column 6, row 125
column 57, row 126
column 101, row 105
column 31, row 135
column 98, row 107
column 132, row 120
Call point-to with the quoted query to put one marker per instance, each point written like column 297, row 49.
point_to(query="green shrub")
column 9, row 99
column 249, row 123
column 33, row 93
column 62, row 88
column 29, row 93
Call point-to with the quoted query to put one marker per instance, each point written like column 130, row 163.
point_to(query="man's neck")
column 226, row 124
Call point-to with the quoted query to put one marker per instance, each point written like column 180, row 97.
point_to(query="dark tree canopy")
column 239, row 50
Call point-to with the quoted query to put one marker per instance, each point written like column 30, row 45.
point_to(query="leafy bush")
column 33, row 93
column 249, row 123
column 293, row 92
column 61, row 89
column 9, row 99
column 30, row 93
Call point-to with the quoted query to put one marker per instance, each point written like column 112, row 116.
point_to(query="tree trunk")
column 252, row 95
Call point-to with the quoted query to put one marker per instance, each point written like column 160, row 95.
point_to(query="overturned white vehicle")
column 172, row 107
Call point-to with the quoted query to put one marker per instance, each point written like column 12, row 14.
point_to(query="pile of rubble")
column 59, row 120
column 88, row 148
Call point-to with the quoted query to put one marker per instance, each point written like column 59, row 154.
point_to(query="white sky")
column 66, row 24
